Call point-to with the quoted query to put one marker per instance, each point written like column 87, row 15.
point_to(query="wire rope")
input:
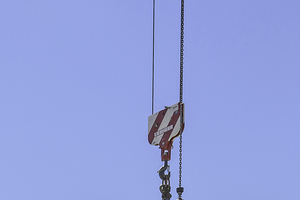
column 153, row 45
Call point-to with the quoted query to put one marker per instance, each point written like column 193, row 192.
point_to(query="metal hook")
column 162, row 170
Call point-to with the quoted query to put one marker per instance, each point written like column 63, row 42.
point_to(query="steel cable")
column 153, row 32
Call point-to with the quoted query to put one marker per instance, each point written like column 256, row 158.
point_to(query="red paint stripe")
column 179, row 122
column 157, row 122
column 173, row 121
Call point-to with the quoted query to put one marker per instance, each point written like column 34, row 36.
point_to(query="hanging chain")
column 181, row 50
column 165, row 188
column 180, row 189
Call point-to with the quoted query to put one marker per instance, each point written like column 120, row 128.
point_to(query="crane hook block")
column 164, row 127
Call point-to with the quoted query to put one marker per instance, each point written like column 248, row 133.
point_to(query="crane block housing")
column 164, row 127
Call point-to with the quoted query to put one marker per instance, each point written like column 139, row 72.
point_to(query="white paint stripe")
column 168, row 116
column 151, row 120
column 175, row 130
column 156, row 140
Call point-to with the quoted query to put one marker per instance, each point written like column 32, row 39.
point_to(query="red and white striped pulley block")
column 164, row 127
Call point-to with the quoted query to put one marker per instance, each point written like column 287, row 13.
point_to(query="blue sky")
column 75, row 84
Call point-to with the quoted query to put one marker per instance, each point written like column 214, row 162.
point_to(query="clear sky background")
column 75, row 85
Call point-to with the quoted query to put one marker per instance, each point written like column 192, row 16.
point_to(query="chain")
column 165, row 188
column 180, row 189
column 181, row 89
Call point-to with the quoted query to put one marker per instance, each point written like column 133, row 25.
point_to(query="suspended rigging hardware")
column 163, row 127
column 163, row 130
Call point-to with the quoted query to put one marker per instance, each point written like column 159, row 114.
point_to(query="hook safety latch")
column 161, row 171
